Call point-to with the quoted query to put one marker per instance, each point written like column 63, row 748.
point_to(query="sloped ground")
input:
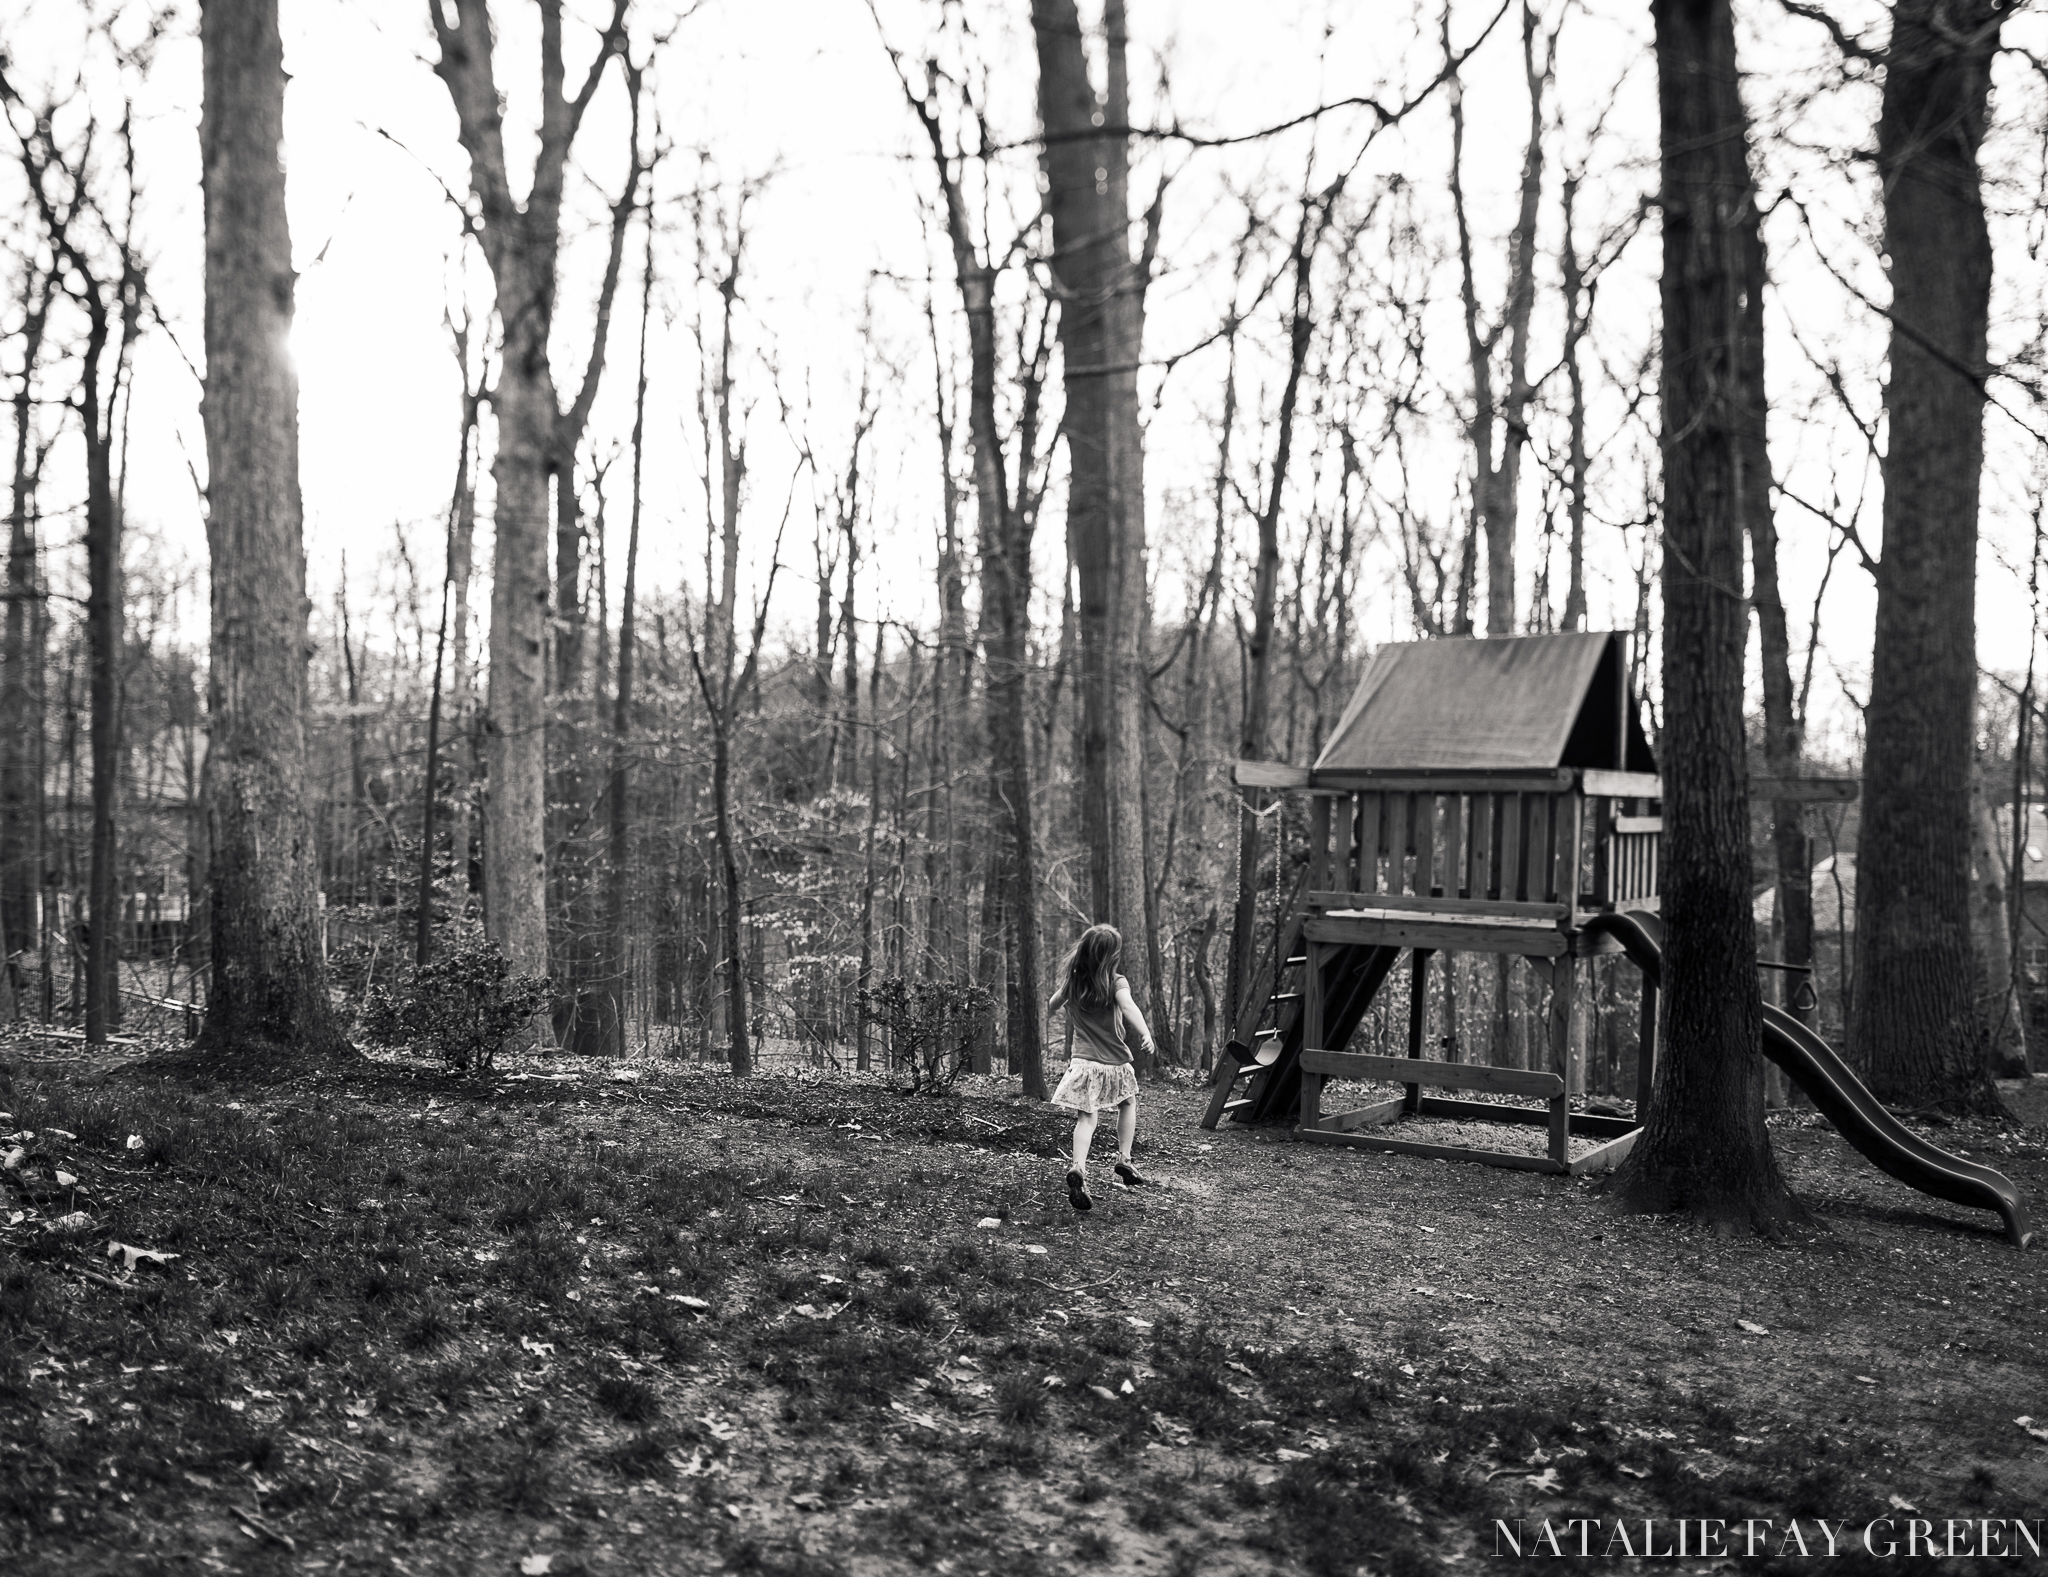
column 652, row 1319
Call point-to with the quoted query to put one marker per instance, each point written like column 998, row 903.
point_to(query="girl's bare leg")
column 1084, row 1135
column 1126, row 1127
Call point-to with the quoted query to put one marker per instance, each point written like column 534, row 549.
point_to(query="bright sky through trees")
column 799, row 98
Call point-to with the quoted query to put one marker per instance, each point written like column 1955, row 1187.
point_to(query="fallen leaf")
column 61, row 1133
column 1128, row 1389
column 536, row 1566
column 76, row 1221
column 537, row 1348
column 130, row 1256
column 358, row 1409
column 1428, row 1229
column 808, row 1501
column 989, row 1223
column 1547, row 1481
column 1900, row 1503
column 11, row 1162
column 134, row 1141
column 1034, row 1248
column 687, row 1301
column 1430, row 1291
column 1286, row 1455
column 66, row 1180
column 2031, row 1427
column 1752, row 1327
column 1864, row 1378
column 1408, row 1369
column 1635, row 1472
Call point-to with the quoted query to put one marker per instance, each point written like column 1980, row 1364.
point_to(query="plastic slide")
column 1841, row 1097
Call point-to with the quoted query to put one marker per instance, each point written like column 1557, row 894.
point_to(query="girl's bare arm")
column 1128, row 1006
column 1059, row 1000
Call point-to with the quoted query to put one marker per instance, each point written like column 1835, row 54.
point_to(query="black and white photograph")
column 1023, row 788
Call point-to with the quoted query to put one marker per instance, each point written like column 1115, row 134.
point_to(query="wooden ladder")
column 1246, row 1068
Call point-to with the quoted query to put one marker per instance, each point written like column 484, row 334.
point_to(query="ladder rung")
column 1286, row 996
column 1231, row 1106
column 1295, row 961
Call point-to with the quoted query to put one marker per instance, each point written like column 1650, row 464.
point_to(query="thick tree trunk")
column 1917, row 1032
column 522, row 241
column 1101, row 330
column 515, row 706
column 1704, row 1148
column 21, row 663
column 269, row 984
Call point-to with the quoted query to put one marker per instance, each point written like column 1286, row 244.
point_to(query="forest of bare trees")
column 790, row 607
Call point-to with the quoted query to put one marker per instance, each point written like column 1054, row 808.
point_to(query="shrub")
column 463, row 1006
column 932, row 1027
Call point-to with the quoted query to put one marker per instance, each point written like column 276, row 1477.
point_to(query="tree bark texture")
column 1101, row 330
column 269, row 984
column 522, row 244
column 21, row 662
column 1918, row 1033
column 1704, row 1148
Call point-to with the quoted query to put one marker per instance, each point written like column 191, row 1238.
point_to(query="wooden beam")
column 1806, row 790
column 1311, row 1032
column 1598, row 783
column 1583, row 1126
column 1439, row 907
column 1438, row 1075
column 1432, row 1152
column 1607, row 1156
column 1395, row 930
column 1268, row 775
column 1407, row 780
column 1362, row 1116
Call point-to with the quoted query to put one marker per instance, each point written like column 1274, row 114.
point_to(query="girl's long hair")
column 1091, row 967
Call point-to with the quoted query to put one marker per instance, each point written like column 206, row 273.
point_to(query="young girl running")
column 1098, row 1003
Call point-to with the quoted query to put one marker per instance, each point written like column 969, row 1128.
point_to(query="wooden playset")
column 1477, row 796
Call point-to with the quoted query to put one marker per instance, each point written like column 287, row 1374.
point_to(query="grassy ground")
column 670, row 1322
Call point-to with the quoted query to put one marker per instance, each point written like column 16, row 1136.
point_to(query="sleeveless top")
column 1099, row 1033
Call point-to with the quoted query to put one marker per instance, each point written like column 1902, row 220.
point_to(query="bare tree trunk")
column 863, row 1025
column 1496, row 485
column 2005, row 1019
column 21, row 662
column 1704, row 1147
column 1578, row 317
column 1917, row 1030
column 522, row 243
column 1314, row 219
column 269, row 986
column 618, row 866
column 1101, row 329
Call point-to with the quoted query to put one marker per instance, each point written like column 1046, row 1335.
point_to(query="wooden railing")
column 1528, row 846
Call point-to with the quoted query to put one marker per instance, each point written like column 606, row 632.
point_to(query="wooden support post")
column 1318, row 844
column 1646, row 1052
column 1312, row 1031
column 1418, row 1017
column 1563, row 984
column 1244, row 920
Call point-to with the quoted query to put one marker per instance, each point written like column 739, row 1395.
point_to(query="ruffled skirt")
column 1095, row 1086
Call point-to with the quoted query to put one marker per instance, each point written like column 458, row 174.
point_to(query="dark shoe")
column 1077, row 1191
column 1129, row 1174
